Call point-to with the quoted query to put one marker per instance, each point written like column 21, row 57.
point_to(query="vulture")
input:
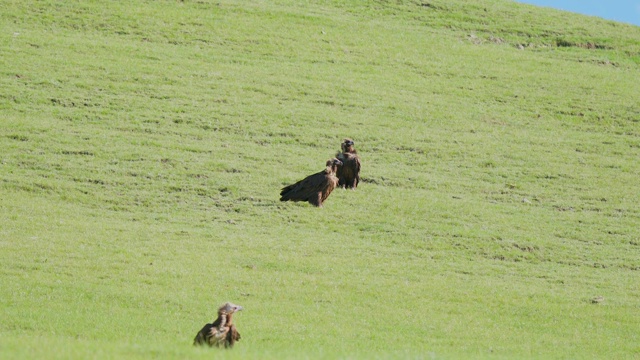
column 349, row 173
column 222, row 332
column 314, row 188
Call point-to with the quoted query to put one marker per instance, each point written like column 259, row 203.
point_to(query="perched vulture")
column 349, row 173
column 314, row 188
column 222, row 332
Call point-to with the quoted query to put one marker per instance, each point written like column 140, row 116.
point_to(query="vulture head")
column 229, row 309
column 333, row 164
column 347, row 146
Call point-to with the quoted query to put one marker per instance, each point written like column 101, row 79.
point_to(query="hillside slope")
column 145, row 143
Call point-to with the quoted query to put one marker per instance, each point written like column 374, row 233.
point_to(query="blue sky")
column 627, row 11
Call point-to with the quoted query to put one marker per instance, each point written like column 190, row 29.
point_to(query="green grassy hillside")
column 144, row 145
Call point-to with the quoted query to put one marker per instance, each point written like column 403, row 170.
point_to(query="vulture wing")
column 215, row 336
column 204, row 336
column 232, row 336
column 308, row 189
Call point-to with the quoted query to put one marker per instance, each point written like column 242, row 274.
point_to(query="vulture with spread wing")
column 314, row 188
column 349, row 173
column 222, row 332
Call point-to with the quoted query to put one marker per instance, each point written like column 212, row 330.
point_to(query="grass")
column 145, row 143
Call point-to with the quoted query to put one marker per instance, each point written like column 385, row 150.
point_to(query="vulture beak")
column 337, row 162
column 238, row 308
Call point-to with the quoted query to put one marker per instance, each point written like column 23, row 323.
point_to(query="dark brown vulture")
column 349, row 173
column 222, row 332
column 314, row 188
